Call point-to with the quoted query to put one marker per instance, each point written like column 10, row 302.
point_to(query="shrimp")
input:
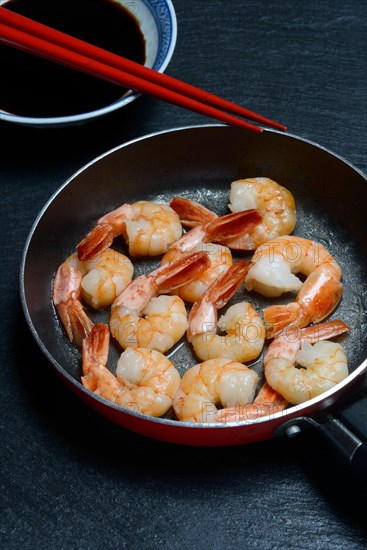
column 166, row 319
column 215, row 382
column 324, row 363
column 149, row 229
column 97, row 282
column 245, row 330
column 273, row 202
column 272, row 271
column 145, row 380
column 204, row 237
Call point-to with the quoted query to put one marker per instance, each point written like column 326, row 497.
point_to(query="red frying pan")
column 200, row 163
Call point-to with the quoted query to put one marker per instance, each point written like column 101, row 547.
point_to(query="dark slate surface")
column 69, row 479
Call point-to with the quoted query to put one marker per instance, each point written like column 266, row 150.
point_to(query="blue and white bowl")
column 157, row 20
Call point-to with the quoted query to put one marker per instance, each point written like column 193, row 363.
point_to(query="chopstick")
column 33, row 37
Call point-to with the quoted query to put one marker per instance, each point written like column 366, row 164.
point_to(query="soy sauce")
column 35, row 87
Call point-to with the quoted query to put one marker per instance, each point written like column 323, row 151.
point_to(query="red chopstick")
column 33, row 37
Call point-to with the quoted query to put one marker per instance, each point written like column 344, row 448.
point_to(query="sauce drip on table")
column 35, row 87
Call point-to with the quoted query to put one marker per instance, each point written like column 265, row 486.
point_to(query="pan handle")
column 346, row 431
column 350, row 445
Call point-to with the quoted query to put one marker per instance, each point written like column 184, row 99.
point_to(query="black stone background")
column 70, row 479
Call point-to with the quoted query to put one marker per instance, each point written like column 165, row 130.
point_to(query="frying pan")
column 200, row 163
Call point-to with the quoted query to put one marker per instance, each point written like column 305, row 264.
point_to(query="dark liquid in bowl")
column 35, row 87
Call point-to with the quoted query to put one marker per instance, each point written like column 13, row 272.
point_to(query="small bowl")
column 158, row 24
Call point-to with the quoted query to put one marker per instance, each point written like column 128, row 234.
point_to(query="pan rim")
column 293, row 411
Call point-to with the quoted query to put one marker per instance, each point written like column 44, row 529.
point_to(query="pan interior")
column 200, row 163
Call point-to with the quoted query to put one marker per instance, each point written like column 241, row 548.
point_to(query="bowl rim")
column 127, row 98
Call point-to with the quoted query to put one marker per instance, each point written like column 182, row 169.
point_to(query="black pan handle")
column 347, row 442
column 346, row 430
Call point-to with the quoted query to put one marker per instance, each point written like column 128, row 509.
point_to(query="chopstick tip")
column 279, row 126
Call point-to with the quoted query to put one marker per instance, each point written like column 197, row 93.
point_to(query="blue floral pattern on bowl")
column 163, row 17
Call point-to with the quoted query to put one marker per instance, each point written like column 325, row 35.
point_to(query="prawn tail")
column 94, row 354
column 191, row 213
column 96, row 241
column 278, row 317
column 225, row 228
column 218, row 294
column 324, row 331
column 98, row 343
column 184, row 270
column 76, row 322
column 222, row 290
